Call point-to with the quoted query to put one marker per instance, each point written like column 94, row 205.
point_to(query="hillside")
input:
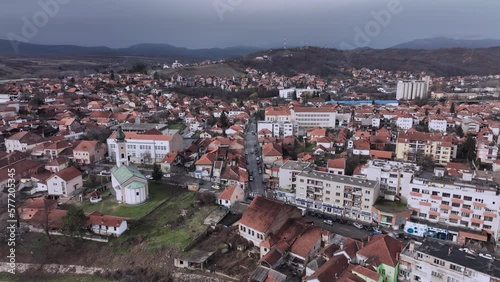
column 219, row 70
column 443, row 42
column 320, row 61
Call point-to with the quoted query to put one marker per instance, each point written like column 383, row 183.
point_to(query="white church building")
column 129, row 184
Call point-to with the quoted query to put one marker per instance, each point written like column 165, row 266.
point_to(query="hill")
column 326, row 62
column 150, row 50
column 443, row 43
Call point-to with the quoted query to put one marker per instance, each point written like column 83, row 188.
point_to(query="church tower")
column 121, row 148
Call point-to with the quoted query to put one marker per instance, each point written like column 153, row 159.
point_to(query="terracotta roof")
column 97, row 218
column 86, row 146
column 367, row 272
column 227, row 193
column 336, row 163
column 68, row 173
column 206, row 159
column 383, row 247
column 334, row 267
column 137, row 136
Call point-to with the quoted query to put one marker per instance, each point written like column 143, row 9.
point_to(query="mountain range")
column 152, row 50
column 446, row 43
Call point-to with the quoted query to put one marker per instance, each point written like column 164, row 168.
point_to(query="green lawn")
column 49, row 278
column 165, row 227
column 180, row 126
column 98, row 180
column 157, row 193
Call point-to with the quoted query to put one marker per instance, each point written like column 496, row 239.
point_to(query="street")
column 338, row 228
column 251, row 139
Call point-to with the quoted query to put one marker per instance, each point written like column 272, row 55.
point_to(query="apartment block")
column 288, row 173
column 465, row 202
column 336, row 194
column 391, row 174
column 412, row 146
column 438, row 124
column 413, row 89
column 279, row 128
column 433, row 261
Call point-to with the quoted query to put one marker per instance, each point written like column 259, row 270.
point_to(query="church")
column 129, row 184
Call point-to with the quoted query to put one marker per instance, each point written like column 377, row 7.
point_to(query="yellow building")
column 412, row 146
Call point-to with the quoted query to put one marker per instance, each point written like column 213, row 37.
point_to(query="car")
column 105, row 172
column 167, row 175
column 149, row 177
column 486, row 256
column 376, row 229
column 358, row 225
column 216, row 187
column 328, row 222
column 260, row 171
column 250, row 178
column 467, row 250
column 373, row 233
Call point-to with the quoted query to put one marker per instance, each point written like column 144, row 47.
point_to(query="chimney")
column 411, row 247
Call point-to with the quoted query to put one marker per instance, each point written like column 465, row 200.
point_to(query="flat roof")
column 295, row 165
column 390, row 206
column 453, row 255
column 349, row 180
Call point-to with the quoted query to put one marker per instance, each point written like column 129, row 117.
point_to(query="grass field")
column 158, row 192
column 166, row 227
column 47, row 278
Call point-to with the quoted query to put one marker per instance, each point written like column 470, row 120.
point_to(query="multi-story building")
column 412, row 146
column 391, row 174
column 413, row 89
column 279, row 128
column 288, row 173
column 465, row 202
column 404, row 122
column 298, row 92
column 438, row 124
column 278, row 114
column 315, row 117
column 147, row 148
column 433, row 261
column 336, row 194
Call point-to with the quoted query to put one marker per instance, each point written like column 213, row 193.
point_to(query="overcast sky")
column 260, row 23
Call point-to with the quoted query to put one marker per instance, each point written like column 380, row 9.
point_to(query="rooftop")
column 295, row 165
column 390, row 206
column 318, row 175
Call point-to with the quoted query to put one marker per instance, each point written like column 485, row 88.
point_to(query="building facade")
column 415, row 145
column 336, row 194
column 413, row 89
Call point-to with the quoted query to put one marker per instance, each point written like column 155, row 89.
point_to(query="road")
column 251, row 139
column 338, row 228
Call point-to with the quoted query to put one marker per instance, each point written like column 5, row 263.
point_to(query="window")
column 327, row 192
column 447, row 195
column 435, row 193
column 446, row 203
column 137, row 193
column 488, row 218
column 337, row 194
column 425, row 192
column 422, row 215
column 437, row 274
column 466, row 214
column 455, row 196
column 487, row 226
column 466, row 207
column 456, row 205
column 467, row 198
column 451, row 279
column 415, row 190
column 456, row 267
column 476, row 216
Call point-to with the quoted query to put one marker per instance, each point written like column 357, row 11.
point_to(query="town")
column 378, row 176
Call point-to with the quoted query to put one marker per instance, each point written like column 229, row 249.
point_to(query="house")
column 231, row 195
column 89, row 152
column 263, row 217
column 272, row 153
column 336, row 166
column 23, row 141
column 204, row 166
column 54, row 149
column 169, row 161
column 64, row 182
column 57, row 164
column 107, row 225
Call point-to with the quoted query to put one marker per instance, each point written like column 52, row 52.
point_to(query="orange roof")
column 227, row 193
column 381, row 154
column 69, row 173
column 137, row 136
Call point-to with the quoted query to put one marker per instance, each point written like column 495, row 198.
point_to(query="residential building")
column 23, row 141
column 64, row 182
column 89, row 152
column 279, row 128
column 106, row 225
column 288, row 173
column 337, row 166
column 278, row 114
column 232, row 194
column 466, row 202
column 392, row 175
column 413, row 89
column 404, row 122
column 336, row 194
column 438, row 124
column 434, row 261
column 147, row 148
column 413, row 146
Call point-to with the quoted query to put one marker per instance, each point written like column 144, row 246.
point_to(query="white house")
column 438, row 124
column 64, row 182
column 106, row 224
column 23, row 141
column 404, row 122
column 231, row 195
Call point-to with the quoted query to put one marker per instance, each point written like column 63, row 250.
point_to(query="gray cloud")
column 196, row 23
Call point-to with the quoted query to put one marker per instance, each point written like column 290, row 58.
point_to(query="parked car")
column 149, row 177
column 467, row 250
column 373, row 233
column 167, row 175
column 250, row 178
column 328, row 222
column 257, row 158
column 486, row 256
column 358, row 225
column 260, row 171
column 105, row 172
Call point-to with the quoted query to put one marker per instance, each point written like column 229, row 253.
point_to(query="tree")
column 452, row 108
column 427, row 162
column 156, row 75
column 468, row 150
column 112, row 77
column 157, row 173
column 459, row 131
column 223, row 120
column 73, row 222
column 294, row 96
column 438, row 111
column 351, row 163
